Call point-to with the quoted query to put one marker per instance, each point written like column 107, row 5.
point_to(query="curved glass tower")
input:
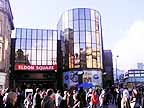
column 81, row 39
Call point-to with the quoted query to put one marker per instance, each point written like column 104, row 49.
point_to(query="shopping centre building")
column 65, row 57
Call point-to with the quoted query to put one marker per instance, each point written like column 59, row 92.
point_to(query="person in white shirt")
column 58, row 98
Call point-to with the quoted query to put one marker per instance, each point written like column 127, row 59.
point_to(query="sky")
column 122, row 23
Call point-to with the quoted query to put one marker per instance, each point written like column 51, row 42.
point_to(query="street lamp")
column 116, row 68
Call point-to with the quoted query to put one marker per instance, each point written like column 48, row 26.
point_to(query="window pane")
column 18, row 33
column 71, row 24
column 29, row 44
column 33, row 62
column 39, row 54
column 49, row 62
column 76, row 25
column 94, row 63
column 87, row 13
column 54, row 54
column 82, row 37
column 44, row 34
column 75, row 14
column 94, row 47
column 82, row 25
column 93, row 26
column 33, row 54
column 49, row 44
column 76, row 37
column 82, row 47
column 93, row 37
column 23, row 33
column 54, row 35
column 44, row 55
column 39, row 34
column 89, row 61
column 18, row 43
column 88, row 26
column 88, row 49
column 88, row 37
column 28, row 33
column 54, row 45
column 23, row 44
column 28, row 54
column 33, row 44
column 38, row 62
column 70, row 14
column 81, row 13
column 49, row 55
column 43, row 62
column 44, row 42
column 39, row 43
column 76, row 56
column 34, row 34
column 49, row 34
column 92, row 14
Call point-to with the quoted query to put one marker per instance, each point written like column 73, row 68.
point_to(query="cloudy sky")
column 122, row 21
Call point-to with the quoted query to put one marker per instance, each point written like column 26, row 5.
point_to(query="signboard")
column 35, row 67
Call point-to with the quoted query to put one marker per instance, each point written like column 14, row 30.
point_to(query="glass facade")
column 36, row 46
column 81, row 39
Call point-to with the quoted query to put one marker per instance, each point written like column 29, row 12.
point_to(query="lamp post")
column 116, row 68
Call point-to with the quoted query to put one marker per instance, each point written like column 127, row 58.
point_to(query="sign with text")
column 35, row 67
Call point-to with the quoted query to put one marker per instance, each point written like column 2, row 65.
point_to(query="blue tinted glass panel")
column 75, row 14
column 93, row 37
column 33, row 44
column 23, row 33
column 44, row 34
column 18, row 33
column 39, row 44
column 88, row 37
column 81, row 14
column 23, row 44
column 34, row 34
column 44, row 44
column 93, row 25
column 54, row 35
column 29, row 45
column 88, row 25
column 76, row 25
column 29, row 33
column 87, row 13
column 76, row 37
column 82, row 25
column 39, row 34
column 82, row 37
column 50, row 34
column 82, row 47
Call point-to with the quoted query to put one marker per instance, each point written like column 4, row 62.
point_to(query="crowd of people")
column 73, row 98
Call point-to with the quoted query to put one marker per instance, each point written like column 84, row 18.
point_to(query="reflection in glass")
column 75, row 14
column 92, row 14
column 28, row 54
column 76, row 37
column 18, row 33
column 82, row 25
column 94, row 63
column 34, row 34
column 39, row 55
column 82, row 47
column 82, row 37
column 54, row 35
column 89, row 61
column 76, row 25
column 71, row 24
column 81, row 13
column 29, row 33
column 33, row 44
column 76, row 56
column 44, row 34
column 88, row 37
column 88, row 25
column 29, row 45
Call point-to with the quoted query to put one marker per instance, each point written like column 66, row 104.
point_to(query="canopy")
column 86, row 85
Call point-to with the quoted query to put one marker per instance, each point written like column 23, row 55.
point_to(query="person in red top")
column 94, row 99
